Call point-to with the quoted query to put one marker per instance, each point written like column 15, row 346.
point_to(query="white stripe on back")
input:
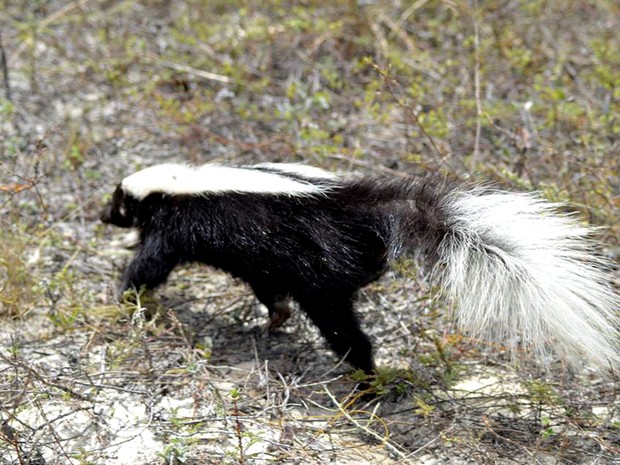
column 177, row 179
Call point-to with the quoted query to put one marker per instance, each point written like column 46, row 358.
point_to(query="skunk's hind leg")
column 279, row 312
column 277, row 304
column 337, row 321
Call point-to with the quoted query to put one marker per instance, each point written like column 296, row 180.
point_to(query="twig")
column 405, row 16
column 387, row 80
column 46, row 22
column 367, row 430
column 238, row 430
column 5, row 71
column 42, row 379
column 431, row 442
column 192, row 71
column 7, row 434
column 476, row 156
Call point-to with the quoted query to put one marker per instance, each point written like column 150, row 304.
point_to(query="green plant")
column 18, row 288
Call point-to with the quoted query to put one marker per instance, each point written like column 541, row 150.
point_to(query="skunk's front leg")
column 151, row 265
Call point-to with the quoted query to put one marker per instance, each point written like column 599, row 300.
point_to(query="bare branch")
column 5, row 71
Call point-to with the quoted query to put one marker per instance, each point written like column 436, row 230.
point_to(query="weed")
column 18, row 288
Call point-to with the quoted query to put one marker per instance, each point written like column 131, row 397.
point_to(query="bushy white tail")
column 525, row 275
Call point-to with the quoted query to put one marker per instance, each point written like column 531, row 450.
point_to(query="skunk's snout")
column 106, row 213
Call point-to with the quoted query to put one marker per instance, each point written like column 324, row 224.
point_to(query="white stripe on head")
column 171, row 178
column 297, row 169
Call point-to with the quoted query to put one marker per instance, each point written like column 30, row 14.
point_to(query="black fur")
column 318, row 250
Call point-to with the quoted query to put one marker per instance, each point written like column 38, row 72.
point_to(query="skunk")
column 519, row 272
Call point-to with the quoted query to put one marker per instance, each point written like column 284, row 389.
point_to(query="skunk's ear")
column 121, row 210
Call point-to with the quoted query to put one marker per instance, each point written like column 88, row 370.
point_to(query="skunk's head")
column 121, row 210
